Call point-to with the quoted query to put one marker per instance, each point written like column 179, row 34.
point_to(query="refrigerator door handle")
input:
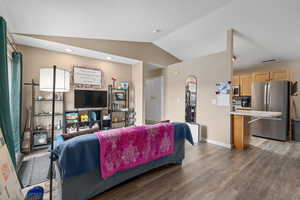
column 265, row 96
column 269, row 97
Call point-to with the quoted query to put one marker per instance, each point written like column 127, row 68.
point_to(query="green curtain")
column 5, row 113
column 16, row 98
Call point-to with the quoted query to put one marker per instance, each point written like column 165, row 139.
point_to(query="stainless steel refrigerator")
column 271, row 96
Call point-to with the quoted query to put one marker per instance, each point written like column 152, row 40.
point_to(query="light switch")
column 214, row 101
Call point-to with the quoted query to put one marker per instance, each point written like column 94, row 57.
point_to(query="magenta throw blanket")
column 126, row 148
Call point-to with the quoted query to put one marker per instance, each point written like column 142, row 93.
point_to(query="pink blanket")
column 126, row 148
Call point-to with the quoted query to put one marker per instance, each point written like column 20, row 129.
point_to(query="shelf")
column 73, row 123
column 119, row 111
column 47, row 100
column 47, row 115
column 40, row 147
column 40, row 131
column 116, row 89
column 119, row 122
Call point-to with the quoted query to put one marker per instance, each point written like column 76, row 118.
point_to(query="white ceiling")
column 190, row 28
column 132, row 20
column 266, row 29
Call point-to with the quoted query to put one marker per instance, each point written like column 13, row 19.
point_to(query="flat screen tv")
column 90, row 99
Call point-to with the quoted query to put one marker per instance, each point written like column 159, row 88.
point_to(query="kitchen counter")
column 240, row 124
column 243, row 108
column 258, row 114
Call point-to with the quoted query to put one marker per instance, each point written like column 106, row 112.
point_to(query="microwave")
column 236, row 91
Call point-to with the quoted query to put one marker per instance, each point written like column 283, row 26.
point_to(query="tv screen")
column 90, row 99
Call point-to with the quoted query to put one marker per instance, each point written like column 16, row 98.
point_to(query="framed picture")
column 86, row 77
column 120, row 96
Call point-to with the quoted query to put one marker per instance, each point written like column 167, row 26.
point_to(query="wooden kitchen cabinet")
column 245, row 85
column 236, row 81
column 280, row 75
column 261, row 77
column 240, row 131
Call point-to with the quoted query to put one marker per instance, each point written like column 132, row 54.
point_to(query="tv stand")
column 83, row 119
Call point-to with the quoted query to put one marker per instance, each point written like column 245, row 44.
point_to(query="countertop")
column 243, row 108
column 258, row 114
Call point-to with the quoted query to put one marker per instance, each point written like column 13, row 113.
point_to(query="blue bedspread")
column 81, row 154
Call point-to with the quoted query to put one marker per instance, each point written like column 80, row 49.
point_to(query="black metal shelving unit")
column 119, row 106
column 35, row 116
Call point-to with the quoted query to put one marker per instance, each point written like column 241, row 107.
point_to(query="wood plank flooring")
column 268, row 170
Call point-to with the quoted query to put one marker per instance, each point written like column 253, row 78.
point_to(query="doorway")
column 154, row 99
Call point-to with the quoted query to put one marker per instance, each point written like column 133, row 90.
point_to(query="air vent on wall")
column 270, row 61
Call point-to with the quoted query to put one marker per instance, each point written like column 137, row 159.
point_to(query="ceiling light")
column 68, row 50
column 156, row 31
column 108, row 58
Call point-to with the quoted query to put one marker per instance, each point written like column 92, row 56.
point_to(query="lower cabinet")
column 240, row 131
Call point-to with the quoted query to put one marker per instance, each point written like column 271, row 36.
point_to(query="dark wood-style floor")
column 268, row 170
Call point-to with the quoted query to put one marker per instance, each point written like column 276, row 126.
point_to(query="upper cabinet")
column 236, row 81
column 280, row 75
column 245, row 85
column 245, row 81
column 261, row 77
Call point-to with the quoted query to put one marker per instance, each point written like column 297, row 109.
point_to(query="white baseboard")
column 228, row 146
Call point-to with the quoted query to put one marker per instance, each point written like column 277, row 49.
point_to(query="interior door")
column 153, row 99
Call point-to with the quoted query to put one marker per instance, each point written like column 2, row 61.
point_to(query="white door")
column 154, row 99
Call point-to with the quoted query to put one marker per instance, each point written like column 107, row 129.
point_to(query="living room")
column 149, row 100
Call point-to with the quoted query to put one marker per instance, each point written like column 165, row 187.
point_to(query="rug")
column 34, row 171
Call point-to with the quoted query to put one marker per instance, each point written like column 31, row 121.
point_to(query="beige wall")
column 295, row 70
column 209, row 70
column 144, row 51
column 138, row 88
column 35, row 58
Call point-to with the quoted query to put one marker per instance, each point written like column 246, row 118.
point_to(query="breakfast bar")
column 240, row 125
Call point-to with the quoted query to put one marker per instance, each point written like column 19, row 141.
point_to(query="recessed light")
column 108, row 58
column 68, row 50
column 156, row 31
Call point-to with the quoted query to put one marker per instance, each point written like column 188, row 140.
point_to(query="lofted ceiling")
column 265, row 29
column 131, row 20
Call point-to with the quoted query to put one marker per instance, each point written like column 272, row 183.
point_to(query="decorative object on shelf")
column 40, row 138
column 53, row 80
column 87, row 77
column 72, row 117
column 84, row 118
column 124, row 85
column 120, row 96
column 114, row 80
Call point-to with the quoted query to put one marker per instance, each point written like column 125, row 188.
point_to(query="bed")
column 77, row 165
